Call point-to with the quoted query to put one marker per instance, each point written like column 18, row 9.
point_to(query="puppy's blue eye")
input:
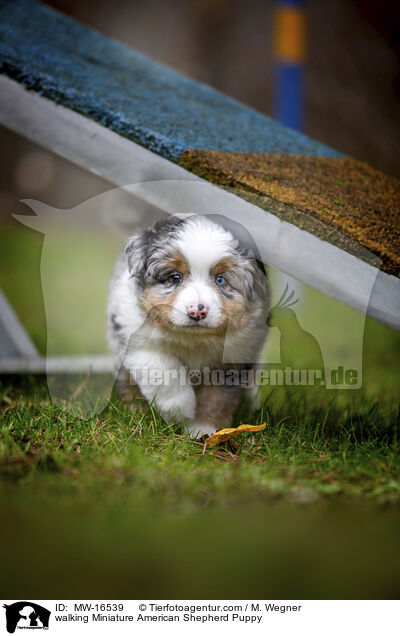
column 220, row 280
column 175, row 279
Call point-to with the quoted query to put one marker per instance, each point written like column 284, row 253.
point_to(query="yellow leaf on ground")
column 226, row 433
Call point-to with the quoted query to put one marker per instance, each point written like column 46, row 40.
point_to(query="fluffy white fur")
column 141, row 344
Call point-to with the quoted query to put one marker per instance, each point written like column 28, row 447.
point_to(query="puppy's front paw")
column 197, row 429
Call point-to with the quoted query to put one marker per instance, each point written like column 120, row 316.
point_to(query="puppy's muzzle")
column 197, row 312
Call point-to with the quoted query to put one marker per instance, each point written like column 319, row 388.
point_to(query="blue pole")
column 290, row 56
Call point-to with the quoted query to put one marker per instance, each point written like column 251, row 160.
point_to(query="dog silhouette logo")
column 26, row 615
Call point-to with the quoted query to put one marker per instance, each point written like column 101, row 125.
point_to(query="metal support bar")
column 14, row 341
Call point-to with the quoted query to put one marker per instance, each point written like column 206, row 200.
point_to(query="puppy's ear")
column 260, row 278
column 135, row 252
column 254, row 276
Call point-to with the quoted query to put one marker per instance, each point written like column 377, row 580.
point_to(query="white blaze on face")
column 202, row 244
column 193, row 293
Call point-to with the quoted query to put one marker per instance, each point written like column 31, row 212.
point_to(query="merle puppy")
column 188, row 295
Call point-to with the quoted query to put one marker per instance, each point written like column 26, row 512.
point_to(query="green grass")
column 125, row 506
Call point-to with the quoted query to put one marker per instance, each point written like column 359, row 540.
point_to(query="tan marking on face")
column 222, row 266
column 233, row 311
column 177, row 263
column 158, row 308
column 234, row 314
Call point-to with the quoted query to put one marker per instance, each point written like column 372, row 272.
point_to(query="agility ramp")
column 325, row 219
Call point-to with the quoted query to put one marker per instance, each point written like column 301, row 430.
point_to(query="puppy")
column 187, row 307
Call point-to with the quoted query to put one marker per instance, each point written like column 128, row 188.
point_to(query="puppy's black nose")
column 197, row 312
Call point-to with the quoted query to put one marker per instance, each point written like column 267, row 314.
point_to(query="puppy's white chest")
column 201, row 354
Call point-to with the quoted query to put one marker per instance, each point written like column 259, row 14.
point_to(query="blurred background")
column 351, row 96
column 352, row 75
column 350, row 90
column 348, row 95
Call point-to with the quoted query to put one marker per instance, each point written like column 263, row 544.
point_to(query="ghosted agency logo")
column 26, row 615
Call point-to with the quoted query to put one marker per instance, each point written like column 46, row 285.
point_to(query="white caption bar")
column 200, row 617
